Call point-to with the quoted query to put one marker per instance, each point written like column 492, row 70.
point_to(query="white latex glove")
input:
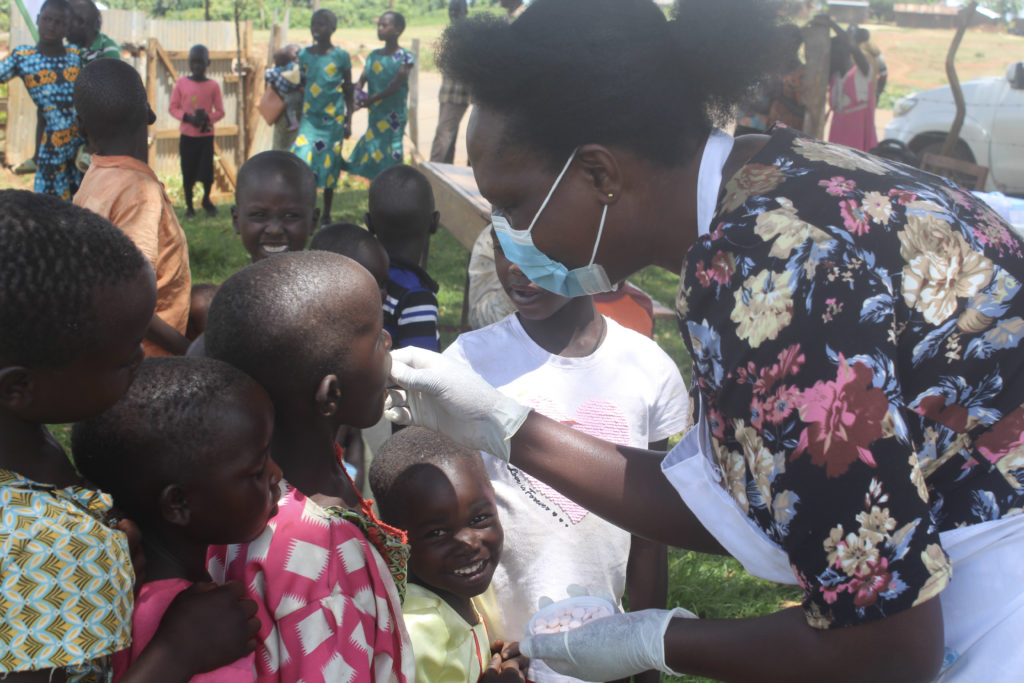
column 448, row 397
column 615, row 647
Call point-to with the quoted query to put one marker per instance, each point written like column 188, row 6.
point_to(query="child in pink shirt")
column 186, row 455
column 196, row 102
column 326, row 575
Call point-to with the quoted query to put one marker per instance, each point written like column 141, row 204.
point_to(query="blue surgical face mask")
column 542, row 270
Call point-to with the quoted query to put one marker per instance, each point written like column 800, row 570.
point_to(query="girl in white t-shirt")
column 564, row 359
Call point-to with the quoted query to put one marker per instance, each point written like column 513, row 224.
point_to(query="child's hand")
column 209, row 626
column 507, row 664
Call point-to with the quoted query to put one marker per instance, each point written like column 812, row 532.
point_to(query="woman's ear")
column 174, row 506
column 604, row 171
column 328, row 396
column 16, row 388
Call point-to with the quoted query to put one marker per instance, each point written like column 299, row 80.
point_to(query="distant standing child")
column 285, row 77
column 326, row 574
column 76, row 297
column 196, row 102
column 438, row 491
column 275, row 204
column 49, row 70
column 185, row 454
column 387, row 76
column 327, row 71
column 114, row 113
column 403, row 218
column 560, row 356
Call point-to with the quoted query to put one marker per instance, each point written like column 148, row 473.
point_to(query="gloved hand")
column 445, row 396
column 605, row 649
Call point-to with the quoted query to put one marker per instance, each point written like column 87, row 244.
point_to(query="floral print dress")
column 855, row 327
column 51, row 83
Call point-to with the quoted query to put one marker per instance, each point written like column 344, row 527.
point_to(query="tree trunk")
column 963, row 21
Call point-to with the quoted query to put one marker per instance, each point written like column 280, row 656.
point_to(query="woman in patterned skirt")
column 49, row 70
column 387, row 74
column 327, row 71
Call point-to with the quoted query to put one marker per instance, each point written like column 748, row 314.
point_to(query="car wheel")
column 960, row 150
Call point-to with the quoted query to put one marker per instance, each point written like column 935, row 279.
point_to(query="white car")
column 993, row 130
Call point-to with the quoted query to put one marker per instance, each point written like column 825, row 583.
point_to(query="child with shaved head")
column 326, row 574
column 275, row 204
column 402, row 216
column 114, row 114
column 438, row 491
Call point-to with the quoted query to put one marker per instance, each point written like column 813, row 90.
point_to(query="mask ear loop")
column 600, row 230
column 552, row 190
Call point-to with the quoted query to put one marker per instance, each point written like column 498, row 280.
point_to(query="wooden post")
column 414, row 96
column 963, row 21
column 151, row 58
column 253, row 91
column 276, row 41
column 817, row 50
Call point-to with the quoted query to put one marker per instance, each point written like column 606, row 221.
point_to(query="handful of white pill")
column 569, row 614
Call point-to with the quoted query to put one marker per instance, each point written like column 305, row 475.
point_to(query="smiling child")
column 275, row 204
column 439, row 493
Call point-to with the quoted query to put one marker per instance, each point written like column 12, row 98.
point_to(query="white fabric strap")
column 709, row 177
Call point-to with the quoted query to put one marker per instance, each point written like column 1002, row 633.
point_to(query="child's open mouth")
column 274, row 248
column 471, row 570
column 524, row 295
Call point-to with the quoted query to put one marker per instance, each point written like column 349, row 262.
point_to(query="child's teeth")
column 470, row 569
column 276, row 249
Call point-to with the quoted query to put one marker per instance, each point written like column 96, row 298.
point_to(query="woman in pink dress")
column 851, row 93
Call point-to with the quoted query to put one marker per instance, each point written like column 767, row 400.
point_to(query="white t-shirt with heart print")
column 628, row 392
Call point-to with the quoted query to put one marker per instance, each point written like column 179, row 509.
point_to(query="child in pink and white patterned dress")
column 326, row 574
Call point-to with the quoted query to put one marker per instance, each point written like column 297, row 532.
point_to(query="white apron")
column 982, row 608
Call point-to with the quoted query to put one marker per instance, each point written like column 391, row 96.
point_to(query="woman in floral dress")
column 49, row 70
column 857, row 335
column 327, row 71
column 387, row 75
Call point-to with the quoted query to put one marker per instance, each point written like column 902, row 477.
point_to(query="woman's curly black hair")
column 615, row 72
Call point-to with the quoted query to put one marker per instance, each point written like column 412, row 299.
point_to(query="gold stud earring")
column 611, row 196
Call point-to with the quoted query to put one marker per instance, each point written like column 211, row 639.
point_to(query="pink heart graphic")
column 596, row 417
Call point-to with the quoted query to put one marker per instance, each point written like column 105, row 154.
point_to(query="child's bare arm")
column 397, row 82
column 167, row 337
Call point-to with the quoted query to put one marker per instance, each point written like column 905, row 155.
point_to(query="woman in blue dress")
column 49, row 70
column 387, row 76
column 327, row 71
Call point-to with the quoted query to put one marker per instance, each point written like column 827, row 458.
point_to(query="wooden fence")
column 158, row 50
